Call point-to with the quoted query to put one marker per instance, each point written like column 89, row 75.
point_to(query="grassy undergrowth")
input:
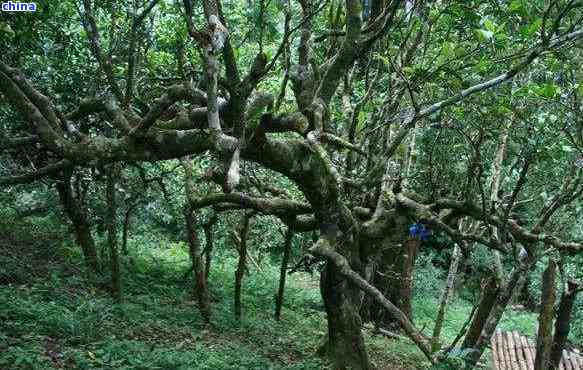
column 59, row 319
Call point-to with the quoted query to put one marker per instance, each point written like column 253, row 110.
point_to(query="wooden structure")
column 513, row 351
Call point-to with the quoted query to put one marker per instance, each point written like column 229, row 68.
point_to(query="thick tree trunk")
column 545, row 318
column 393, row 273
column 116, row 288
column 445, row 296
column 283, row 273
column 563, row 322
column 241, row 265
column 345, row 346
column 490, row 289
column 76, row 210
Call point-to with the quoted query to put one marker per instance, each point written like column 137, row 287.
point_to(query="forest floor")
column 52, row 316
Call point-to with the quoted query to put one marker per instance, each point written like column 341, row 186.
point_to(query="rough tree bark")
column 392, row 272
column 545, row 318
column 512, row 284
column 200, row 290
column 563, row 322
column 76, row 210
column 490, row 289
column 283, row 272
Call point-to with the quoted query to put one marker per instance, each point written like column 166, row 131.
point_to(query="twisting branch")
column 173, row 94
column 273, row 206
column 37, row 175
column 32, row 105
column 17, row 142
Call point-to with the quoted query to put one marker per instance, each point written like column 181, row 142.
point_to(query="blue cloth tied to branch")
column 419, row 230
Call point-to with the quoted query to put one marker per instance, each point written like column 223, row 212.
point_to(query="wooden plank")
column 506, row 352
column 574, row 361
column 495, row 351
column 528, row 352
column 501, row 350
column 565, row 361
column 520, row 356
column 512, row 350
column 520, row 361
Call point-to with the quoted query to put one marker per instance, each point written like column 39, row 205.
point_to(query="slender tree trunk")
column 406, row 294
column 116, row 288
column 545, row 318
column 283, row 273
column 494, row 189
column 208, row 234
column 410, row 157
column 76, row 211
column 445, row 296
column 563, row 322
column 200, row 290
column 514, row 283
column 242, row 250
column 490, row 290
column 126, row 229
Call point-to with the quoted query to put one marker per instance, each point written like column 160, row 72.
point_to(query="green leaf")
column 5, row 28
column 484, row 35
column 548, row 90
column 567, row 148
column 515, row 6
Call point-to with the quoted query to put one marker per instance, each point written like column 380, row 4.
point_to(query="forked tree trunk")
column 490, row 291
column 283, row 272
column 76, row 211
column 445, row 296
column 563, row 322
column 545, row 318
column 241, row 265
column 116, row 288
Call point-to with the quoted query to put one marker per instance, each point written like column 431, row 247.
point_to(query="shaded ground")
column 52, row 316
